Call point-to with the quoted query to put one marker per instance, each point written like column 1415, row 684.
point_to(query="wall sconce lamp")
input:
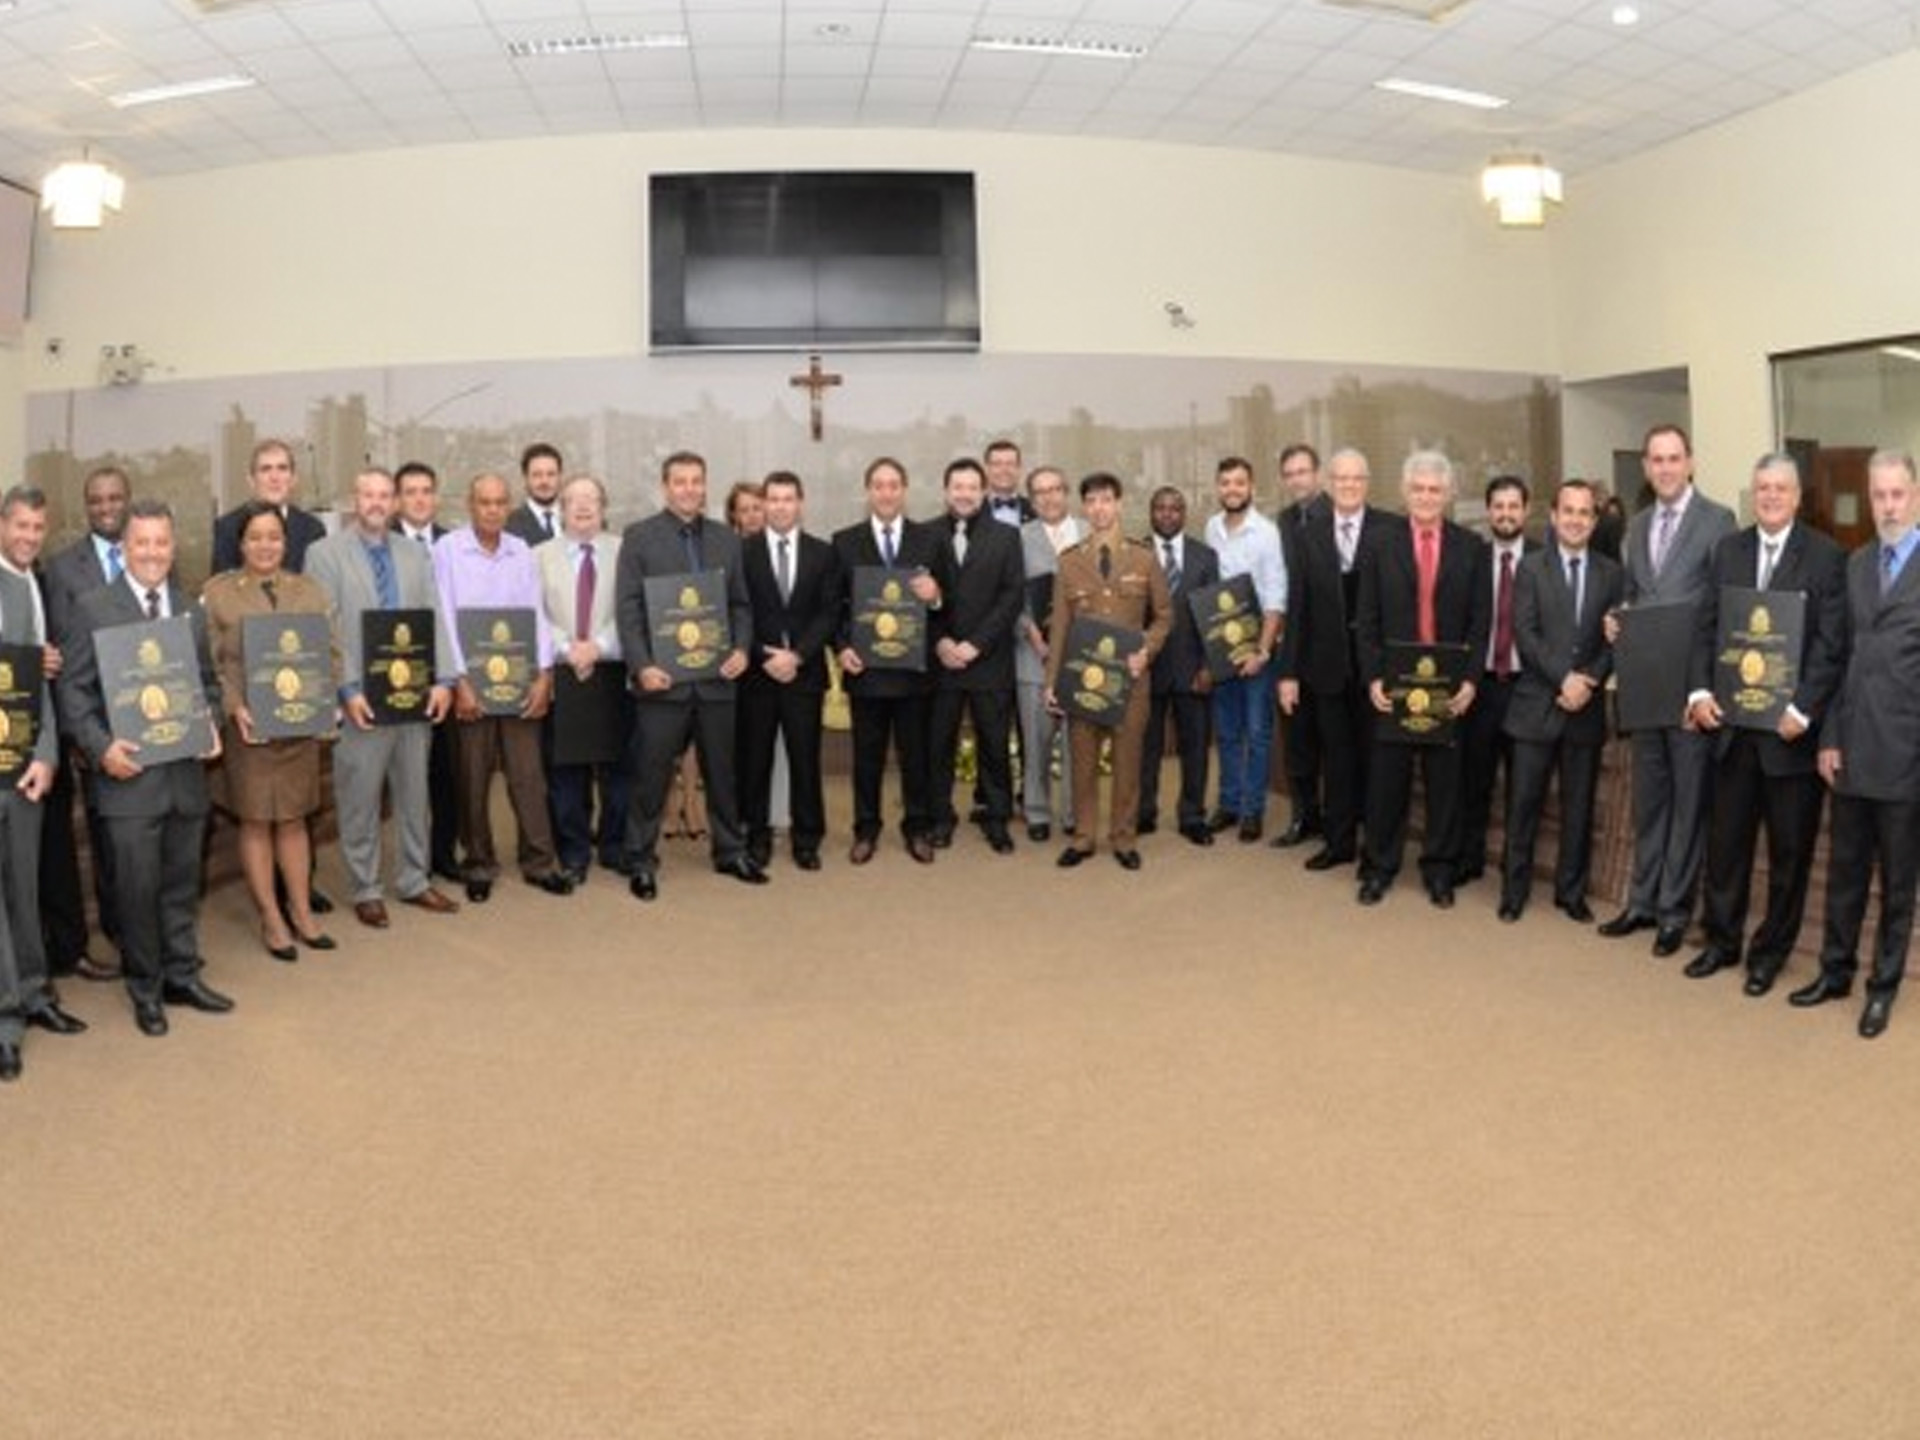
column 78, row 193
column 1519, row 188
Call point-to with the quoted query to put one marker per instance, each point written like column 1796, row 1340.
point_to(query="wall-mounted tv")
column 813, row 259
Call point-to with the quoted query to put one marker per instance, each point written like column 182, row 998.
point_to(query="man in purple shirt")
column 480, row 566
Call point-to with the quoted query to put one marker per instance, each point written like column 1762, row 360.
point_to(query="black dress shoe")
column 51, row 1018
column 940, row 837
column 1222, row 820
column 1326, row 858
column 151, row 1019
column 1071, row 856
column 1873, row 1020
column 1440, row 892
column 1710, row 961
column 920, row 848
column 999, row 839
column 760, row 848
column 9, row 1063
column 1510, row 910
column 1577, row 911
column 1298, row 832
column 1825, row 987
column 1669, row 941
column 1371, row 891
column 1197, row 834
column 807, row 859
column 479, row 891
column 576, row 875
column 322, row 941
column 196, row 994
column 1039, row 834
column 1625, row 923
column 553, row 882
column 742, row 868
column 1251, row 829
column 319, row 904
column 1129, row 859
column 1758, row 983
column 1146, row 825
column 642, row 886
column 1467, row 874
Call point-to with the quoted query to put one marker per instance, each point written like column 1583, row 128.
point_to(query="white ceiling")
column 1282, row 75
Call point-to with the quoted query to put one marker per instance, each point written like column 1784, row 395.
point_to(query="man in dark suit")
column 1870, row 753
column 681, row 541
column 416, row 511
column 1004, row 502
column 271, row 478
column 1179, row 681
column 536, row 519
column 90, row 563
column 156, row 816
column 1762, row 775
column 1556, row 716
column 1485, row 749
column 793, row 585
column 1299, row 480
column 888, row 705
column 1427, row 584
column 983, row 584
column 1668, row 562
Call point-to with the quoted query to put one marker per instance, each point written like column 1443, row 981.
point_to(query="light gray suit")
column 1039, row 731
column 23, row 956
column 1673, row 766
column 387, row 757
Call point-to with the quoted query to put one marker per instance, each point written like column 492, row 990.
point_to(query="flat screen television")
column 808, row 259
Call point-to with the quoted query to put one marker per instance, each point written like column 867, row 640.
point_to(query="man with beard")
column 1488, row 750
column 1247, row 543
column 1300, row 483
column 536, row 519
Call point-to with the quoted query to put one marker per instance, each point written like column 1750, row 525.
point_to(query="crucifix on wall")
column 816, row 382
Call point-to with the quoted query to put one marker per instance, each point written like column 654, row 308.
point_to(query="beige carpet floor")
column 985, row 1149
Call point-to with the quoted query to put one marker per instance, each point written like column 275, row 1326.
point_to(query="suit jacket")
column 303, row 530
column 1874, row 720
column 982, row 602
column 1684, row 578
column 20, row 625
column 68, row 575
column 1317, row 642
column 653, row 547
column 1553, row 647
column 340, row 566
column 1184, row 656
column 1390, row 596
column 919, row 549
column 1039, row 561
column 83, row 704
column 1814, row 565
column 807, row 620
column 559, row 593
column 524, row 523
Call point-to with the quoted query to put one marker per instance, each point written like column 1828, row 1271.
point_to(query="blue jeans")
column 1243, row 721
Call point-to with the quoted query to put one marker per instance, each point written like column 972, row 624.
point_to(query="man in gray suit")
column 156, row 816
column 680, row 540
column 367, row 566
column 1870, row 753
column 1669, row 562
column 1042, row 538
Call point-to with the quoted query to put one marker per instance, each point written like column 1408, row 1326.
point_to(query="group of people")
column 1341, row 588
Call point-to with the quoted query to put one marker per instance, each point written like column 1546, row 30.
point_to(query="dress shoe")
column 373, row 913
column 286, row 954
column 920, row 848
column 1710, row 961
column 1251, row 829
column 862, row 850
column 1371, row 892
column 760, row 848
column 322, row 941
column 1825, row 987
column 1577, row 911
column 1222, row 820
column 977, row 815
column 1440, row 892
column 1197, row 834
column 1326, row 858
column 642, row 886
column 1758, row 983
column 553, row 882
column 742, row 868
column 1039, row 833
column 1071, row 856
column 1298, row 832
column 806, row 859
column 1669, row 941
column 1510, row 910
column 998, row 838
column 479, row 891
column 1146, row 825
column 432, row 901
column 616, row 863
column 1129, row 859
column 9, row 1062
column 319, row 904
column 55, row 1021
column 1873, row 1020
column 576, row 875
column 1625, row 923
column 88, row 968
column 196, row 994
column 448, row 871
column 150, row 1017
column 940, row 837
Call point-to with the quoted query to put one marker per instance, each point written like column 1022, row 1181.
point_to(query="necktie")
column 960, row 541
column 690, row 540
column 153, row 602
column 1170, row 561
column 1889, row 557
column 886, row 546
column 1769, row 553
column 1346, row 546
column 116, row 565
column 425, row 538
column 1426, row 550
column 1573, row 585
column 1503, row 619
column 783, row 570
column 384, row 584
column 1663, row 537
column 583, row 584
column 1106, row 563
column 273, row 598
column 546, row 522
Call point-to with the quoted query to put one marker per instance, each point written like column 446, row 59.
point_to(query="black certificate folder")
column 1650, row 666
column 687, row 623
column 398, row 664
column 1756, row 655
column 1421, row 682
column 502, row 657
column 889, row 624
column 151, row 673
column 20, row 681
column 288, row 660
column 1229, row 620
column 1095, row 682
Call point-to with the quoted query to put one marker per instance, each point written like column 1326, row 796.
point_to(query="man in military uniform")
column 1108, row 577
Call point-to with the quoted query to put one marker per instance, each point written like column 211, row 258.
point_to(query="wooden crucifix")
column 816, row 382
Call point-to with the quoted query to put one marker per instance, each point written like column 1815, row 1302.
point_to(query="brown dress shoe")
column 862, row 851
column 372, row 913
column 432, row 900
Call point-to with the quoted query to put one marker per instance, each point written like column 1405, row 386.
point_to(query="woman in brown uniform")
column 270, row 786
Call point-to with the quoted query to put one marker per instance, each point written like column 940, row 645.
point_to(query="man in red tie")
column 1485, row 748
column 1427, row 583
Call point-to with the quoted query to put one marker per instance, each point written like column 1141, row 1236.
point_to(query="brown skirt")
column 276, row 781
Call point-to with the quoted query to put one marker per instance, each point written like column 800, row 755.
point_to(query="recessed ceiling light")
column 1040, row 45
column 593, row 44
column 1453, row 95
column 185, row 90
column 1626, row 15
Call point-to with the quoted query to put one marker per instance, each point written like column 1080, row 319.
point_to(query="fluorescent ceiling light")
column 1038, row 45
column 1900, row 352
column 1626, row 16
column 185, row 90
column 1421, row 90
column 594, row 44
